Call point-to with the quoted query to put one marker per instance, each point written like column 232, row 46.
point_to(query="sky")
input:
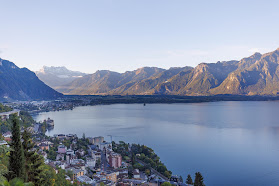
column 122, row 35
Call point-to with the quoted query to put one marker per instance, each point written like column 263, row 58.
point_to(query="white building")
column 85, row 179
column 90, row 162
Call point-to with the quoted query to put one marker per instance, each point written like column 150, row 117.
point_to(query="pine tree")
column 198, row 179
column 180, row 179
column 33, row 161
column 189, row 180
column 16, row 159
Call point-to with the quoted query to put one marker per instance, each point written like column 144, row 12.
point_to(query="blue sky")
column 120, row 35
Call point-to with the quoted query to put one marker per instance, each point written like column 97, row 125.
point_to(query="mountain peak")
column 22, row 84
column 57, row 76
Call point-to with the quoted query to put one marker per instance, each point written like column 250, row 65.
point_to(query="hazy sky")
column 120, row 35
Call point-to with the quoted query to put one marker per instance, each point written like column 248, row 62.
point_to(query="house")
column 96, row 155
column 62, row 149
column 174, row 178
column 75, row 172
column 70, row 152
column 112, row 176
column 71, row 136
column 6, row 115
column 133, row 182
column 105, row 182
column 44, row 146
column 61, row 136
column 7, row 134
column 60, row 157
column 3, row 142
column 136, row 174
column 85, row 179
column 90, row 162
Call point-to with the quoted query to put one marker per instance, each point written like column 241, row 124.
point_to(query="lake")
column 230, row 143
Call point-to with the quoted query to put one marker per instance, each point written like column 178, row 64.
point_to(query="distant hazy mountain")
column 22, row 84
column 57, row 77
column 254, row 75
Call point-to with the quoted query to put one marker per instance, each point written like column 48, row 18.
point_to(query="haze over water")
column 230, row 143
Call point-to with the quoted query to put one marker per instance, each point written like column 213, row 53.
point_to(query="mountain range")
column 22, row 84
column 254, row 75
column 57, row 77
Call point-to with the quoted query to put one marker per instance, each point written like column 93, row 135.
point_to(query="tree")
column 180, row 179
column 16, row 161
column 166, row 184
column 167, row 174
column 130, row 171
column 4, row 161
column 198, row 179
column 189, row 180
column 15, row 182
column 48, row 176
column 147, row 172
column 61, row 178
column 33, row 161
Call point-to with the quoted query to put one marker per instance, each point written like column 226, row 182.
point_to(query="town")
column 93, row 161
column 90, row 160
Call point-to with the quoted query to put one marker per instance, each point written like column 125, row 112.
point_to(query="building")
column 105, row 182
column 3, row 142
column 60, row 157
column 112, row 176
column 6, row 115
column 75, row 172
column 91, row 140
column 136, row 174
column 115, row 160
column 71, row 136
column 98, row 140
column 44, row 146
column 96, row 155
column 133, row 182
column 85, row 179
column 61, row 136
column 70, row 152
column 49, row 122
column 81, row 152
column 7, row 134
column 90, row 162
column 174, row 178
column 105, row 146
column 62, row 149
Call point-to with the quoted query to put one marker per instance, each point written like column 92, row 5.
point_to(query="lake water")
column 230, row 143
